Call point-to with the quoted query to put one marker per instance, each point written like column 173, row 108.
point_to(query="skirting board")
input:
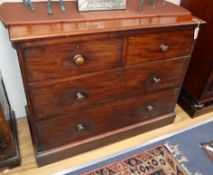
column 20, row 112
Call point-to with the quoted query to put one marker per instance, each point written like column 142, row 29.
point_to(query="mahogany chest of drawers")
column 197, row 92
column 9, row 151
column 94, row 79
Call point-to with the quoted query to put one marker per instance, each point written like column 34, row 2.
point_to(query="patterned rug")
column 179, row 153
column 156, row 161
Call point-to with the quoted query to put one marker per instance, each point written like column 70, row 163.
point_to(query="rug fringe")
column 175, row 151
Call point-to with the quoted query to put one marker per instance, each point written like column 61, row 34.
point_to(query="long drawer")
column 107, row 118
column 70, row 96
column 158, row 46
column 72, row 59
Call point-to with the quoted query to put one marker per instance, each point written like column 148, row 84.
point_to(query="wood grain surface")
column 9, row 151
column 52, row 62
column 197, row 93
column 11, row 16
column 29, row 25
column 95, row 122
column 126, row 60
column 104, row 88
column 29, row 165
column 149, row 46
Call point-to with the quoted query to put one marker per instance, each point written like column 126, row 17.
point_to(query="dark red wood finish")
column 150, row 46
column 51, row 62
column 96, row 122
column 197, row 93
column 53, row 100
column 105, row 87
column 9, row 150
column 91, row 82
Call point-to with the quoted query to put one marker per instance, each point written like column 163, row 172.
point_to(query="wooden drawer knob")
column 78, row 60
column 164, row 48
column 80, row 127
column 156, row 80
column 80, row 96
column 149, row 108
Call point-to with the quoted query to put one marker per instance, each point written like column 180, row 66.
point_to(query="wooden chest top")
column 24, row 24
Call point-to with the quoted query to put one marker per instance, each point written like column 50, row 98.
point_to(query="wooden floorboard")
column 29, row 167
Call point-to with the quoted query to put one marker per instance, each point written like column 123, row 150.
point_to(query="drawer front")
column 64, row 60
column 158, row 46
column 104, row 119
column 71, row 96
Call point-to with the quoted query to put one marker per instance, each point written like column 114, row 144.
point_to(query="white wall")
column 11, row 72
column 175, row 1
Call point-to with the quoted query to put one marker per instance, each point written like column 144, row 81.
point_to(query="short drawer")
column 104, row 119
column 71, row 96
column 72, row 59
column 158, row 46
